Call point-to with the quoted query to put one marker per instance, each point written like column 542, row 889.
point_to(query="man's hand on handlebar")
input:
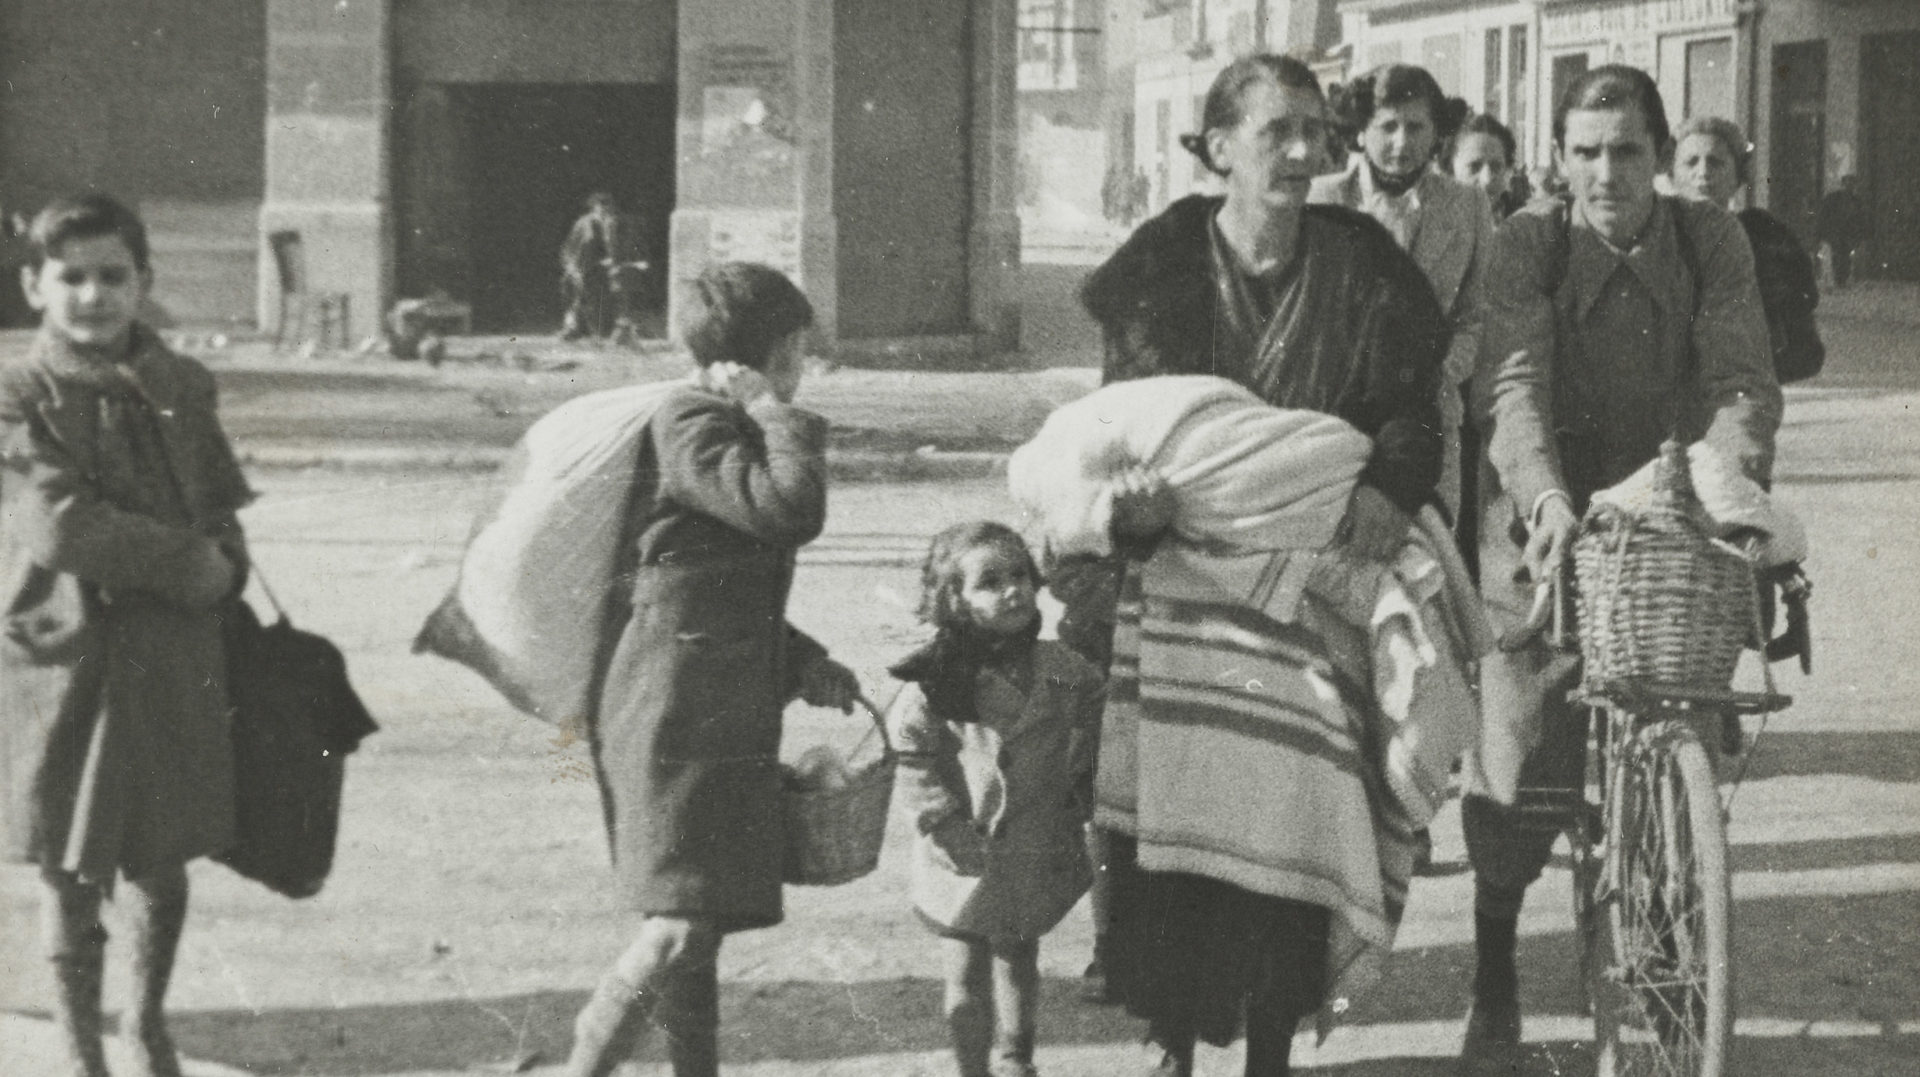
column 1551, row 540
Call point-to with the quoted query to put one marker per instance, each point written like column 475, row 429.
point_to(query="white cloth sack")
column 1732, row 500
column 525, row 612
column 1245, row 475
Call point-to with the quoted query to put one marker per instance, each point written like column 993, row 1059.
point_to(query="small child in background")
column 997, row 732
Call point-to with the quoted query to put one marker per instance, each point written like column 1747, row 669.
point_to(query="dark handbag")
column 295, row 720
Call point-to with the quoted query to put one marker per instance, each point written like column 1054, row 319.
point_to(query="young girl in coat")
column 996, row 731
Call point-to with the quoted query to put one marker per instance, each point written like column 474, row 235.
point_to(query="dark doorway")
column 903, row 154
column 1890, row 155
column 491, row 176
column 1562, row 72
column 1798, row 156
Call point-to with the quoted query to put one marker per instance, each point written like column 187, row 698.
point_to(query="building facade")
column 1842, row 77
column 867, row 147
column 1178, row 48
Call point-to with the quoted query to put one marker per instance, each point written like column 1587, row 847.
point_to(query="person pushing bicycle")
column 1617, row 318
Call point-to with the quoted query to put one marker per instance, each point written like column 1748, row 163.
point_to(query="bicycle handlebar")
column 1547, row 618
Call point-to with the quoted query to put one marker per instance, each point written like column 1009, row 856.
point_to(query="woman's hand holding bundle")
column 1143, row 503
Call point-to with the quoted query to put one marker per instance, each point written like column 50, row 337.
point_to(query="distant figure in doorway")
column 1843, row 224
column 587, row 270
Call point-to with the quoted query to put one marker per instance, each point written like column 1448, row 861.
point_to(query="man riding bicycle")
column 1616, row 318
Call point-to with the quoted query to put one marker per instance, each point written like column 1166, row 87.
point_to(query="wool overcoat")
column 686, row 735
column 114, row 733
column 1018, row 779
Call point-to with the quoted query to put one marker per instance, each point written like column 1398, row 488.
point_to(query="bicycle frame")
column 1652, row 891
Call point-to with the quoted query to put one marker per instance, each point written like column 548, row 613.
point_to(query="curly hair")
column 940, row 574
column 1729, row 135
column 1223, row 107
column 746, row 309
column 1390, row 85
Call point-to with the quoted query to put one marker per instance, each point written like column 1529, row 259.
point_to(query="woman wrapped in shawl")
column 1312, row 308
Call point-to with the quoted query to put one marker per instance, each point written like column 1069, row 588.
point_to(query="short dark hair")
column 1395, row 84
column 748, row 308
column 1483, row 124
column 1614, row 87
column 1728, row 134
column 87, row 216
column 1223, row 107
column 598, row 199
column 940, row 573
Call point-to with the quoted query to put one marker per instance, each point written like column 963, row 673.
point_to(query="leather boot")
column 689, row 1014
column 77, row 976
column 1493, row 1023
column 156, row 915
column 609, row 1028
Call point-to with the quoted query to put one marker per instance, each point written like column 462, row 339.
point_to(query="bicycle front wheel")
column 1662, row 982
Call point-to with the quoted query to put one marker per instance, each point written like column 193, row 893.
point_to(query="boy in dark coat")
column 731, row 482
column 118, row 540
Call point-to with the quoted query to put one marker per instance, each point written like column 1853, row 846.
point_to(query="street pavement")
column 415, row 962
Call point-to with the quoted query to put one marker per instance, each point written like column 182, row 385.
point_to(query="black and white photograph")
column 959, row 538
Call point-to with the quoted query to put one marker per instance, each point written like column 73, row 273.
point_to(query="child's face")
column 88, row 291
column 996, row 590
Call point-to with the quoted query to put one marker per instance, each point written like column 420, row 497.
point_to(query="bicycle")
column 1652, row 888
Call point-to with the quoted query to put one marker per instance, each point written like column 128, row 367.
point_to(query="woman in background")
column 1400, row 119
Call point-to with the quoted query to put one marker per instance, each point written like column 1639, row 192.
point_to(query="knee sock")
column 609, row 1027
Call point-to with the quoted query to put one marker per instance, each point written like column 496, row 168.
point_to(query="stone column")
column 755, row 138
column 328, row 92
column 993, row 242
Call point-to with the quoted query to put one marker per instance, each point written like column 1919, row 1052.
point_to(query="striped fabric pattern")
column 1235, row 747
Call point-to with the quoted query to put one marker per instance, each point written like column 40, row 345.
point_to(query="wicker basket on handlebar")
column 1661, row 600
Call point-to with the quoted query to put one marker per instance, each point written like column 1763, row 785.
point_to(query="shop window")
column 1440, row 55
column 1710, row 77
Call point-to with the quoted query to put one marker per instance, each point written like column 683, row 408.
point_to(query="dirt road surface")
column 469, row 913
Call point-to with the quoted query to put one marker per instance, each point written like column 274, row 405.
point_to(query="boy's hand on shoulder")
column 743, row 385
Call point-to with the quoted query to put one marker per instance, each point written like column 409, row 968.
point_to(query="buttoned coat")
column 1020, row 778
column 115, row 751
column 1582, row 388
column 686, row 734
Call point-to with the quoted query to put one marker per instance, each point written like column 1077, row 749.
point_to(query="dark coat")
column 114, row 745
column 1789, row 292
column 686, row 738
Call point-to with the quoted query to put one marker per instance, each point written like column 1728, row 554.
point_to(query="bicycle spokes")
column 1667, row 1007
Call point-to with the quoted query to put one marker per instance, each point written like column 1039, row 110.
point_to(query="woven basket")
column 1660, row 600
column 834, row 834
